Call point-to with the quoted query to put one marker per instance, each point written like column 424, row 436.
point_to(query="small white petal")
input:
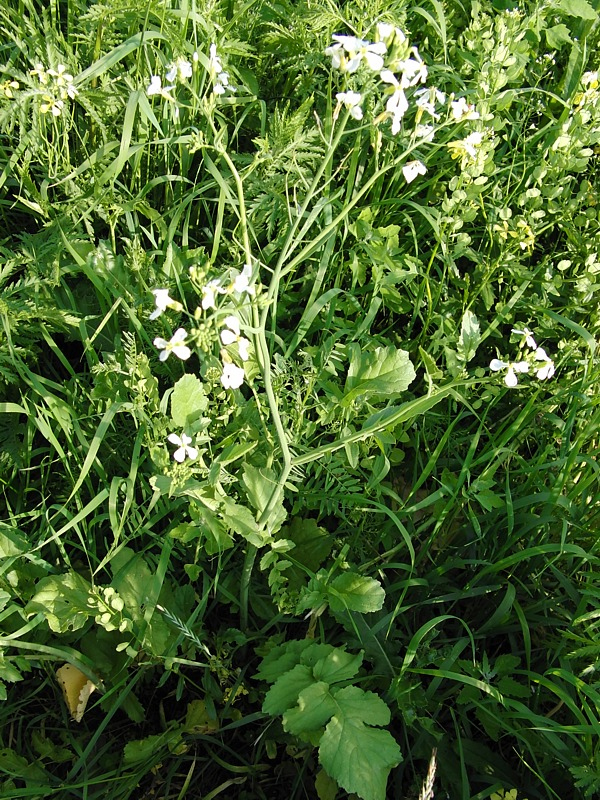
column 232, row 377
column 233, row 324
column 510, row 379
column 228, row 337
column 412, row 170
column 496, row 365
column 244, row 348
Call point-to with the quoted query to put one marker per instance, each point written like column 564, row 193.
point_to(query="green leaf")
column 240, row 519
column 314, row 709
column 63, row 600
column 512, row 688
column 386, row 372
column 260, row 483
column 470, row 336
column 284, row 657
column 188, row 401
column 285, row 691
column 557, row 36
column 578, row 8
column 337, row 666
column 353, row 592
column 313, row 546
column 134, row 582
column 357, row 756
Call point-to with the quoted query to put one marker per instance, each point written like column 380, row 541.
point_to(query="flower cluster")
column 237, row 283
column 403, row 75
column 219, row 77
column 57, row 87
column 537, row 361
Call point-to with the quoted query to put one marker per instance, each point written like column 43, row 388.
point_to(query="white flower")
column 208, row 294
column 547, row 370
column 231, row 335
column 390, row 34
column 412, row 169
column 426, row 99
column 529, row 340
column 180, row 69
column 163, row 301
column 425, row 132
column 184, row 448
column 472, row 142
column 214, row 62
column 232, row 377
column 413, row 70
column 175, row 345
column 357, row 49
column 463, row 110
column 241, row 282
column 156, row 87
column 222, row 84
column 510, row 379
column 352, row 101
column 397, row 104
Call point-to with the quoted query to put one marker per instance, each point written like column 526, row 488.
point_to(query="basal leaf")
column 285, row 691
column 188, row 401
column 385, row 372
column 63, row 600
column 357, row 756
column 470, row 336
column 240, row 519
column 353, row 592
column 282, row 658
column 338, row 666
column 313, row 711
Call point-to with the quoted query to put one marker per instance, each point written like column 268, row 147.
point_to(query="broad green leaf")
column 12, row 542
column 325, row 787
column 11, row 763
column 313, row 546
column 470, row 336
column 557, row 36
column 313, row 711
column 338, row 666
column 260, row 484
column 47, row 749
column 285, row 691
column 133, row 580
column 63, row 600
column 240, row 519
column 578, row 8
column 282, row 658
column 386, row 372
column 512, row 688
column 188, row 401
column 353, row 592
column 357, row 756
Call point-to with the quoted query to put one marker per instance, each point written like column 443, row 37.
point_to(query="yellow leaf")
column 76, row 689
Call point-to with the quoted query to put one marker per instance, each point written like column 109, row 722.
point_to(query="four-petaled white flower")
column 412, row 169
column 208, row 294
column 222, row 84
column 156, row 87
column 414, row 70
column 183, row 442
column 231, row 334
column 163, row 301
column 232, row 377
column 529, row 340
column 357, row 50
column 426, row 99
column 510, row 379
column 463, row 110
column 175, row 345
column 352, row 101
column 241, row 282
column 397, row 104
column 180, row 69
column 547, row 369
